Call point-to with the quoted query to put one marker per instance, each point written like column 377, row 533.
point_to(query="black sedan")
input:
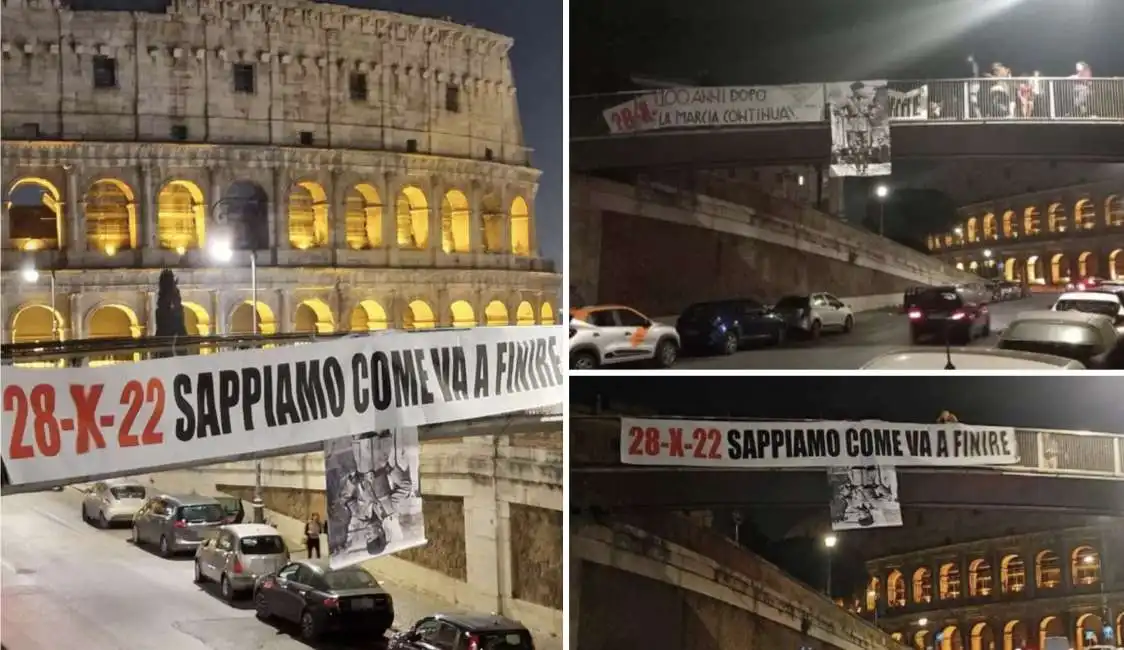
column 725, row 325
column 322, row 600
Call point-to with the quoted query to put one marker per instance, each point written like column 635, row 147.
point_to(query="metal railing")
column 965, row 101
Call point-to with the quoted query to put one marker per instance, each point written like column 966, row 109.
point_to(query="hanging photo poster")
column 860, row 128
column 864, row 497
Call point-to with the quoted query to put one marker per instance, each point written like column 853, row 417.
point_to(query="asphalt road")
column 875, row 333
column 66, row 584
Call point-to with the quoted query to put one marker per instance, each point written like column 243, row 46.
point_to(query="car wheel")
column 816, row 330
column 666, row 353
column 165, row 549
column 310, row 629
column 781, row 336
column 848, row 325
column 226, row 589
column 261, row 607
column 583, row 361
column 199, row 577
column 730, row 343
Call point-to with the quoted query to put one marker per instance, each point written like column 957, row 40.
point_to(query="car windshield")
column 510, row 640
column 263, row 545
column 1089, row 306
column 351, row 578
column 938, row 299
column 127, row 492
column 792, row 302
column 202, row 513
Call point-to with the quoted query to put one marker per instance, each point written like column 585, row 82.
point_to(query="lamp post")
column 881, row 192
column 829, row 542
column 31, row 275
column 223, row 252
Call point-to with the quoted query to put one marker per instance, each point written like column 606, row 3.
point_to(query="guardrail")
column 1050, row 452
column 966, row 101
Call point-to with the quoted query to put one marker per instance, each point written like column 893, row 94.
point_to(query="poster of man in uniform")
column 860, row 128
column 864, row 497
column 374, row 495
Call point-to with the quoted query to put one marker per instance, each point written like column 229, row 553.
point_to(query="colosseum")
column 366, row 169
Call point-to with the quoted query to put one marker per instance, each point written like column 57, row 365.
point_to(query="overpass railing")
column 1053, row 452
column 963, row 101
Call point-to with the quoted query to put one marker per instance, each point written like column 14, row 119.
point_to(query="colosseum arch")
column 35, row 219
column 1088, row 624
column 1086, row 264
column 35, row 323
column 525, row 314
column 1114, row 210
column 895, row 589
column 419, row 316
column 181, row 221
column 1057, row 219
column 921, row 640
column 313, row 316
column 949, row 581
column 922, row 585
column 971, row 230
column 520, row 227
column 979, row 577
column 308, row 215
column 368, row 316
column 981, row 637
column 111, row 216
column 1032, row 273
column 546, row 314
column 411, row 211
column 1011, row 270
column 1015, row 635
column 363, row 217
column 1010, row 226
column 462, row 314
column 1032, row 221
column 1048, row 627
column 1120, row 625
column 456, row 219
column 112, row 320
column 1084, row 215
column 1116, row 264
column 1085, row 566
column 989, row 226
column 872, row 588
column 1059, row 268
column 1047, row 570
column 897, row 636
column 242, row 216
column 1012, row 574
column 196, row 320
column 243, row 316
column 950, row 638
column 495, row 314
column 491, row 221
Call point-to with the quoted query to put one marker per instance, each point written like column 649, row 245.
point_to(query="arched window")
column 922, row 585
column 895, row 587
column 1012, row 574
column 872, row 594
column 979, row 577
column 1085, row 566
column 1048, row 570
column 950, row 581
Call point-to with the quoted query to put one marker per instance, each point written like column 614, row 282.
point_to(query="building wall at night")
column 976, row 181
column 1003, row 593
column 1045, row 237
column 371, row 163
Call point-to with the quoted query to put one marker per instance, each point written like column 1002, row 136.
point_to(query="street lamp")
column 922, row 622
column 881, row 192
column 829, row 542
column 222, row 252
column 987, row 253
column 30, row 275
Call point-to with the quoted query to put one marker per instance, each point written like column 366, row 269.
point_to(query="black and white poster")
column 373, row 494
column 860, row 128
column 864, row 497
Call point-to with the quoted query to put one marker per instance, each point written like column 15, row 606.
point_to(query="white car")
column 1092, row 302
column 813, row 313
column 603, row 335
column 969, row 359
column 111, row 502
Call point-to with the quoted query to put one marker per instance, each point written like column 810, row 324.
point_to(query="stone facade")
column 370, row 165
column 1045, row 237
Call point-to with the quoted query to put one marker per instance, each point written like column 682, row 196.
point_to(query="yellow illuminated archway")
column 1048, row 627
column 411, row 212
column 989, row 227
column 950, row 638
column 455, row 219
column 1084, row 215
column 463, row 314
column 180, row 216
column 363, row 217
column 1059, row 269
column 1011, row 270
column 368, row 316
column 1088, row 624
column 1085, row 266
column 492, row 219
column 982, row 637
column 35, row 219
column 1114, row 210
column 36, row 323
column 921, row 640
column 111, row 216
column 1032, row 274
column 1014, row 635
column 112, row 321
column 971, row 228
column 1058, row 221
column 314, row 316
column 520, row 227
column 1116, row 264
column 196, row 320
column 243, row 315
column 308, row 216
column 1032, row 221
column 546, row 314
column 495, row 314
column 1010, row 230
column 419, row 316
column 525, row 314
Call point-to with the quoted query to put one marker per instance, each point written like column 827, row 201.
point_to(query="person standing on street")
column 312, row 530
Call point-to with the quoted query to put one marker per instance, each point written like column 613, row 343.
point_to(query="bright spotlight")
column 830, row 541
column 30, row 274
column 881, row 191
column 221, row 252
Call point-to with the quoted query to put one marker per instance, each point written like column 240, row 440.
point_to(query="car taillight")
column 237, row 565
column 180, row 523
column 958, row 315
column 915, row 314
column 332, row 603
column 473, row 642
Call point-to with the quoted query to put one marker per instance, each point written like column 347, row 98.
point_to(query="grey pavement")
column 66, row 584
column 875, row 333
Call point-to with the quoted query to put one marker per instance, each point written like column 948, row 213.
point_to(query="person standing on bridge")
column 312, row 531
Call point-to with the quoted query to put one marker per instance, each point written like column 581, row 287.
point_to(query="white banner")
column 864, row 497
column 860, row 128
column 63, row 424
column 769, row 445
column 373, row 495
column 679, row 108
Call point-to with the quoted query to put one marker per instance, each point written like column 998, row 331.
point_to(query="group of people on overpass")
column 1010, row 96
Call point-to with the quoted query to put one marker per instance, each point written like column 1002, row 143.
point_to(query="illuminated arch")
column 960, row 265
column 950, row 638
column 1032, row 221
column 313, row 316
column 111, row 216
column 1084, row 215
column 872, row 593
column 1114, row 210
column 463, row 315
column 1010, row 227
column 242, row 216
column 196, row 320
column 35, row 323
column 363, row 217
column 1047, row 570
column 419, row 316
column 1085, row 265
column 525, row 314
column 520, row 227
column 921, row 640
column 492, row 219
column 1011, row 270
column 35, row 218
column 931, row 242
column 949, row 581
column 181, row 221
column 1032, row 274
column 308, row 216
column 1116, row 264
column 1015, row 635
column 546, row 314
column 1012, row 574
column 1085, row 566
column 897, row 636
column 1059, row 268
column 981, row 637
column 895, row 589
column 495, row 314
column 990, row 231
column 368, row 316
column 1050, row 626
column 411, row 212
column 974, row 266
column 1120, row 626
column 979, row 578
column 112, row 320
column 1085, row 624
column 922, row 585
column 456, row 219
column 1057, row 219
column 971, row 230
column 244, row 314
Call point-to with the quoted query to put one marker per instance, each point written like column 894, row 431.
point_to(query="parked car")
column 813, row 313
column 1080, row 336
column 106, row 503
column 323, row 600
column 725, row 325
column 236, row 555
column 968, row 359
column 948, row 313
column 177, row 523
column 1107, row 303
column 603, row 335
column 464, row 632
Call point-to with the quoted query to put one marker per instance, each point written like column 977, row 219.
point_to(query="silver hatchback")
column 177, row 523
column 237, row 554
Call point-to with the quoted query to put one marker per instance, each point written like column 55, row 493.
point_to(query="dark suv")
column 464, row 632
column 953, row 312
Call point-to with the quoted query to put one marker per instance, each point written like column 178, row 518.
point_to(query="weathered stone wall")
column 536, row 548
column 445, row 534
